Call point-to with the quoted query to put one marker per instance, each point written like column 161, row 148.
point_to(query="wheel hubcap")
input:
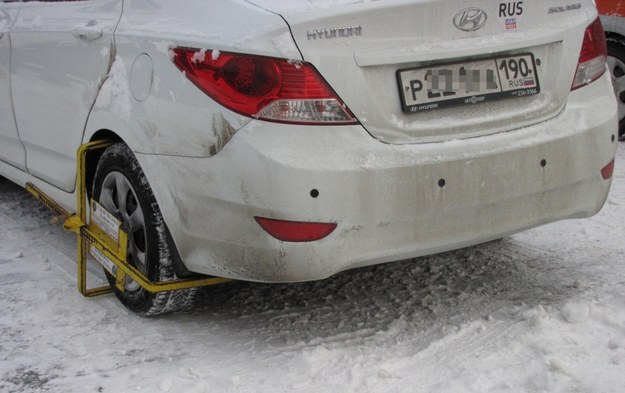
column 118, row 197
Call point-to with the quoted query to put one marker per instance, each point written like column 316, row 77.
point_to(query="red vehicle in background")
column 613, row 18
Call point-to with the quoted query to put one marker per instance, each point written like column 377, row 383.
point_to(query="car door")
column 61, row 55
column 11, row 149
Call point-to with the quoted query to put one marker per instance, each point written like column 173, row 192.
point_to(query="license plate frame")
column 454, row 84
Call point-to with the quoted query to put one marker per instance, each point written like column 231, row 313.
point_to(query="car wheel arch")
column 93, row 157
column 616, row 63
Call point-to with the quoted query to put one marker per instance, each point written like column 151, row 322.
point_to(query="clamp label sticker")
column 105, row 220
column 103, row 260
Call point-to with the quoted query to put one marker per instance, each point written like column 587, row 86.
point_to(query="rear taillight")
column 592, row 58
column 263, row 87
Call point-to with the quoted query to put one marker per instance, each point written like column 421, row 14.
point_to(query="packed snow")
column 541, row 311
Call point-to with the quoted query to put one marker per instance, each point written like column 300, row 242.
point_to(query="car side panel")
column 149, row 103
column 61, row 54
column 11, row 149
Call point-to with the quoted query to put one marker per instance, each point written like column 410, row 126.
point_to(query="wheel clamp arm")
column 101, row 244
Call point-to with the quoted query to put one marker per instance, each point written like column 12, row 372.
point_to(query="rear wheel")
column 121, row 188
column 616, row 63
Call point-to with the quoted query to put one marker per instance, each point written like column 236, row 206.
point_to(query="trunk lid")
column 360, row 46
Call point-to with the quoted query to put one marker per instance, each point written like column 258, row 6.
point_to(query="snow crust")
column 540, row 311
column 115, row 93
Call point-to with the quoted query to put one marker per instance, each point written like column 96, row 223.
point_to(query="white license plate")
column 434, row 87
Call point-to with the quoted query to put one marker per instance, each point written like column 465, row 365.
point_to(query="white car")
column 284, row 141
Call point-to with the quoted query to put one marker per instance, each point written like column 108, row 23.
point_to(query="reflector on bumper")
column 295, row 231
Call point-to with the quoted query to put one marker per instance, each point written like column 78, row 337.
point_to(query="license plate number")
column 469, row 83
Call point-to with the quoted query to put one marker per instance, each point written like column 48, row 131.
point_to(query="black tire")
column 122, row 188
column 616, row 63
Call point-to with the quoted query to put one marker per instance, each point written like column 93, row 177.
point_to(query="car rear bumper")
column 390, row 201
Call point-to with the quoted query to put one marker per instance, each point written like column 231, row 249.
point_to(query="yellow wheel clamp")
column 104, row 238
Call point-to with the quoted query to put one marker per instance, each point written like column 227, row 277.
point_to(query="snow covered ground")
column 541, row 311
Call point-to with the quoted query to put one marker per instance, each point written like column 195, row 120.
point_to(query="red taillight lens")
column 593, row 56
column 263, row 87
column 606, row 171
column 295, row 231
column 250, row 76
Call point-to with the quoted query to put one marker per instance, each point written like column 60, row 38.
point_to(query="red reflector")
column 607, row 171
column 295, row 231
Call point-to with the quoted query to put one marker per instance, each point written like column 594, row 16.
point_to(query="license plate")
column 469, row 83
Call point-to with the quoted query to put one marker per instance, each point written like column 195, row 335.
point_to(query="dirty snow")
column 199, row 57
column 541, row 311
